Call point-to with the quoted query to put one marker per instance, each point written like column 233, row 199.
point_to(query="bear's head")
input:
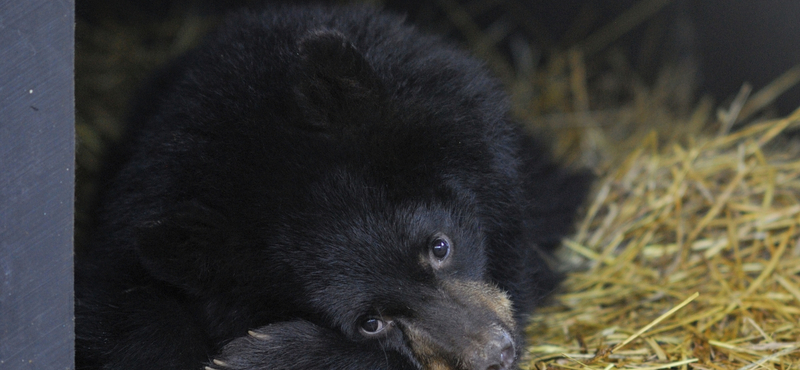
column 375, row 221
column 404, row 272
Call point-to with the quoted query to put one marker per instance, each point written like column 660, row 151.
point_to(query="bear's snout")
column 467, row 325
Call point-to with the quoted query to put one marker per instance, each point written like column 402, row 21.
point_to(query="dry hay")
column 688, row 255
column 700, row 221
column 718, row 216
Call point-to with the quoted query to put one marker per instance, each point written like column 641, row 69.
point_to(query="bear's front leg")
column 295, row 345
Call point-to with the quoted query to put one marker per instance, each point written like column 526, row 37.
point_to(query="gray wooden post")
column 37, row 168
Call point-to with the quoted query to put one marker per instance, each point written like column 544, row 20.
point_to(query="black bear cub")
column 321, row 188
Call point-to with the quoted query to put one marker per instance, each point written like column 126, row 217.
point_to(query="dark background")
column 734, row 41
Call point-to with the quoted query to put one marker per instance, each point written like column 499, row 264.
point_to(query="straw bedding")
column 688, row 255
column 717, row 216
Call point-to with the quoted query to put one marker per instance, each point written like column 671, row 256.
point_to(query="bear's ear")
column 179, row 248
column 337, row 85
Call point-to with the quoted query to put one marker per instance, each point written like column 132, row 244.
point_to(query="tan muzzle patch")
column 485, row 295
column 465, row 318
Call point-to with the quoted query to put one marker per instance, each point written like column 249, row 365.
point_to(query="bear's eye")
column 440, row 247
column 372, row 326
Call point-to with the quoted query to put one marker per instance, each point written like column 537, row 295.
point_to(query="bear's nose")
column 498, row 354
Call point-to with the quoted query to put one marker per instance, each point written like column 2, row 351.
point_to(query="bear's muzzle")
column 464, row 325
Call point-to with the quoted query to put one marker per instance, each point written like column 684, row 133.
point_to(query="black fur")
column 290, row 177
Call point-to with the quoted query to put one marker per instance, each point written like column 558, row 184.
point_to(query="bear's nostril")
column 507, row 357
column 499, row 353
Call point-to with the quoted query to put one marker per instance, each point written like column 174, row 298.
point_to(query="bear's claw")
column 258, row 335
